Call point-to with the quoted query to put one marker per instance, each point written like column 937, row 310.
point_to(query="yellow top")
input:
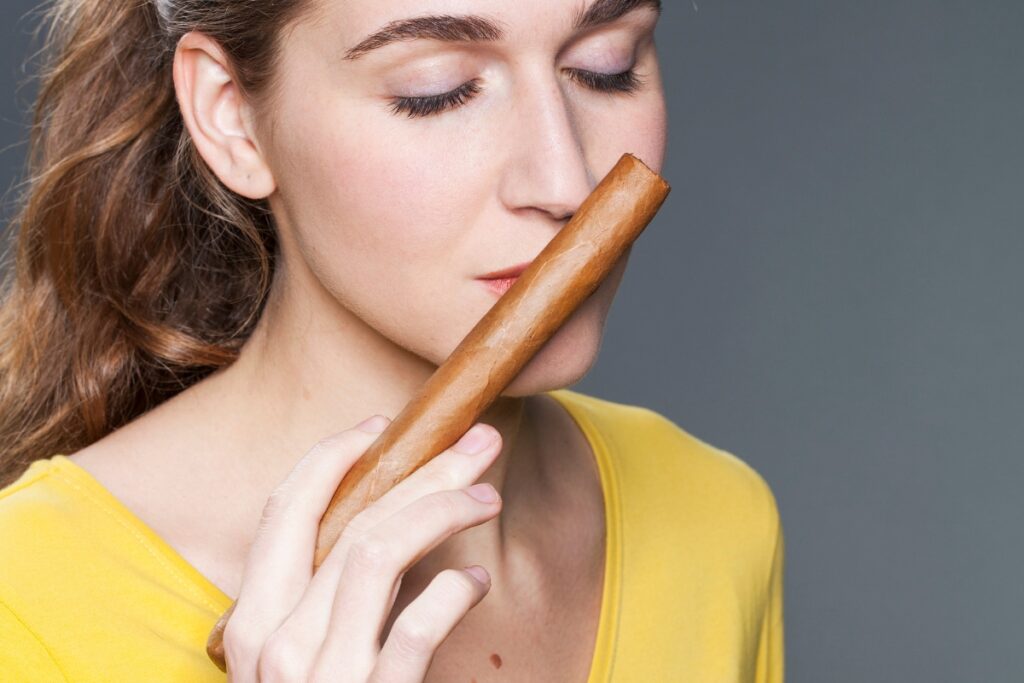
column 693, row 570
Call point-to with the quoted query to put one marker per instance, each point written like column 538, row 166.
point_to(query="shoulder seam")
column 23, row 482
column 156, row 553
column 736, row 460
column 35, row 636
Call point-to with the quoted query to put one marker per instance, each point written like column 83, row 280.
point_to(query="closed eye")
column 433, row 104
column 626, row 82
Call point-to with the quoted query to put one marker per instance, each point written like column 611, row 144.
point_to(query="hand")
column 290, row 624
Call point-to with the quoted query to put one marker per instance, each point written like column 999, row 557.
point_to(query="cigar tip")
column 637, row 162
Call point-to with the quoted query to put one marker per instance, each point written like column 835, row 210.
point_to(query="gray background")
column 829, row 294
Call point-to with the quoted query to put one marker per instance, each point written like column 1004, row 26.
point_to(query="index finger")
column 279, row 564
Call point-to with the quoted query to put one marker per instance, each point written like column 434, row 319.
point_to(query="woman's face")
column 397, row 205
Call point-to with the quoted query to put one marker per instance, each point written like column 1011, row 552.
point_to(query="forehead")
column 365, row 16
column 355, row 28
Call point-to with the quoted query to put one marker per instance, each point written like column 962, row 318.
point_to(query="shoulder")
column 31, row 501
column 37, row 513
column 666, row 470
column 57, row 533
column 81, row 584
column 652, row 443
column 37, row 519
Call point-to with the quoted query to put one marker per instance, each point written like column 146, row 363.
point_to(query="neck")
column 313, row 368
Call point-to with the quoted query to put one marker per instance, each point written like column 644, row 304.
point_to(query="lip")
column 499, row 286
column 507, row 273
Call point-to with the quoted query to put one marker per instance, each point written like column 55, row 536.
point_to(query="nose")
column 547, row 170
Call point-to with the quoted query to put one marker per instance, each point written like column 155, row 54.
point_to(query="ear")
column 218, row 118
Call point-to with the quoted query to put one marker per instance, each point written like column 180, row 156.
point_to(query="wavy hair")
column 133, row 272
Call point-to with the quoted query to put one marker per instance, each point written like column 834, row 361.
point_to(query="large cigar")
column 559, row 279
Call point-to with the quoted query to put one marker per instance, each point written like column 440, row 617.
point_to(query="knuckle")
column 412, row 637
column 439, row 478
column 239, row 639
column 370, row 553
column 348, row 439
column 330, row 446
column 358, row 526
column 456, row 585
column 277, row 501
column 322, row 448
column 449, row 505
column 280, row 660
column 329, row 450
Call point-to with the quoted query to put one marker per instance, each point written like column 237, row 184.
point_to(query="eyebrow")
column 475, row 28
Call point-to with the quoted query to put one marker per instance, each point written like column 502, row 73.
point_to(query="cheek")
column 376, row 197
column 378, row 210
column 384, row 185
column 646, row 131
column 637, row 124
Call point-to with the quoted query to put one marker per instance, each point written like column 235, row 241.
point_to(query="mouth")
column 500, row 281
column 499, row 285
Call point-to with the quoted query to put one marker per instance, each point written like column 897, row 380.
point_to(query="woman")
column 251, row 225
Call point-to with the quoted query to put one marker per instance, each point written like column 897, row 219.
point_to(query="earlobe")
column 214, row 112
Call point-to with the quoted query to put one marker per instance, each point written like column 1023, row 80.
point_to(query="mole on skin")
column 496, row 660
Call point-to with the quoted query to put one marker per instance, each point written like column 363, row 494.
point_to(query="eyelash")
column 626, row 82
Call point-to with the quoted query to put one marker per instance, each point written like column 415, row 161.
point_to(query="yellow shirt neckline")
column 573, row 402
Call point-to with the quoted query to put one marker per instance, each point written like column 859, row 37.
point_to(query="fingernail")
column 478, row 573
column 475, row 440
column 373, row 425
column 485, row 493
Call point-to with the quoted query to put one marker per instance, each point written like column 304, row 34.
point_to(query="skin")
column 385, row 221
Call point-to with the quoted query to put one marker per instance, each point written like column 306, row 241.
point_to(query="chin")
column 570, row 353
column 565, row 359
column 573, row 349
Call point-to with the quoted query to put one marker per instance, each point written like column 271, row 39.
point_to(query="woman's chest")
column 553, row 644
column 538, row 622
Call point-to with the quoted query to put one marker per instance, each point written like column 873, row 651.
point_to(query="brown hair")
column 136, row 272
